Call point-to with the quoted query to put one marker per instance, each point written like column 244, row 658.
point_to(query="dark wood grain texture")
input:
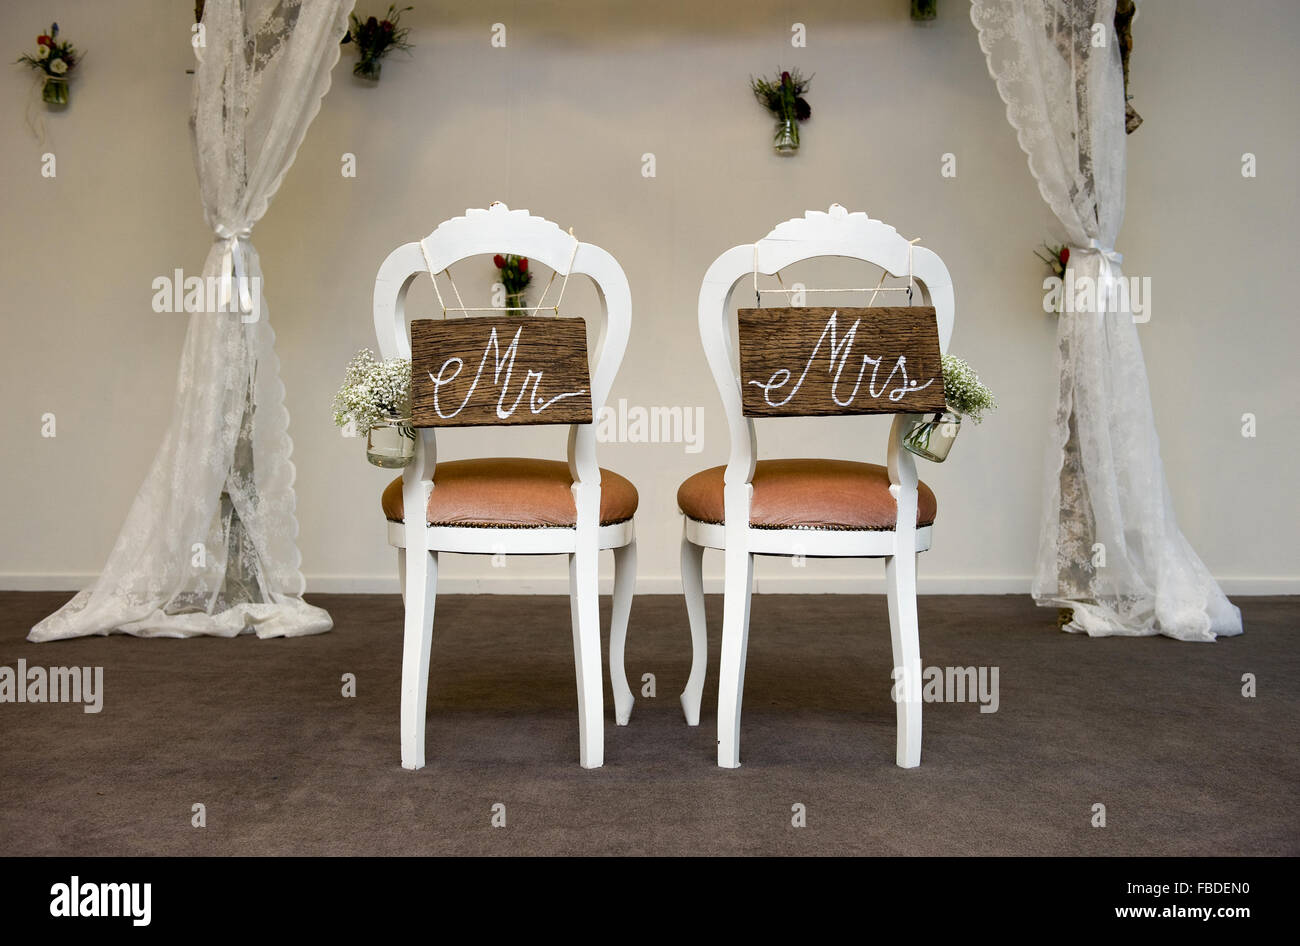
column 499, row 371
column 831, row 360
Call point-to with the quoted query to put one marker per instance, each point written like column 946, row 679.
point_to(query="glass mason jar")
column 786, row 139
column 391, row 445
column 55, row 90
column 368, row 67
column 931, row 438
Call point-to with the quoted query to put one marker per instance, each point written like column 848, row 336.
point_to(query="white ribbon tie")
column 233, row 268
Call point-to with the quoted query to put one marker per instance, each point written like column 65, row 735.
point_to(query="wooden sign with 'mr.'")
column 814, row 362
column 499, row 370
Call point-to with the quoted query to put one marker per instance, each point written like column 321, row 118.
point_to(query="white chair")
column 520, row 507
column 880, row 522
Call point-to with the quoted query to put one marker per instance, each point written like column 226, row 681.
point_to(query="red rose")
column 386, row 26
column 1065, row 255
column 785, row 78
column 44, row 40
column 523, row 264
column 499, row 261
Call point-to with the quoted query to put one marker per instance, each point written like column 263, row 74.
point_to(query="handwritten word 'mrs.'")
column 503, row 362
column 839, row 351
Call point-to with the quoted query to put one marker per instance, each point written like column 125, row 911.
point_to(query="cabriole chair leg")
column 735, row 644
column 624, row 586
column 421, row 590
column 693, row 589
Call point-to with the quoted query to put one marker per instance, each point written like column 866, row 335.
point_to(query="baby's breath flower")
column 373, row 391
column 963, row 390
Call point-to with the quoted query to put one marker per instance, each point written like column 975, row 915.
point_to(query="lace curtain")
column 210, row 543
column 1110, row 548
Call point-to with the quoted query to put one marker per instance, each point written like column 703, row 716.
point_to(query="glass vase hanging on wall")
column 368, row 68
column 924, row 11
column 54, row 91
column 786, row 139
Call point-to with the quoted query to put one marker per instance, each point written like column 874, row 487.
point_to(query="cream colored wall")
column 557, row 122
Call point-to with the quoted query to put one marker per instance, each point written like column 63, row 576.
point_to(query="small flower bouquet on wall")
column 784, row 98
column 375, row 38
column 514, row 276
column 55, row 61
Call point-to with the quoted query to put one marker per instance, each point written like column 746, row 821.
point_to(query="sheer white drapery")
column 1110, row 548
column 210, row 543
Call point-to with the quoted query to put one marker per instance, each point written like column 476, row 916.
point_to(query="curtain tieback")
column 233, row 273
column 1110, row 260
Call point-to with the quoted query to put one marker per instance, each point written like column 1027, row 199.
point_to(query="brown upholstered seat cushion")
column 810, row 494
column 511, row 492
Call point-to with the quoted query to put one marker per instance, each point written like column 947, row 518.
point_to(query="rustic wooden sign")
column 499, row 370
column 814, row 362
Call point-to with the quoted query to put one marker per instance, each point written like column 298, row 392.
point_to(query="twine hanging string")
column 461, row 307
column 878, row 288
column 36, row 124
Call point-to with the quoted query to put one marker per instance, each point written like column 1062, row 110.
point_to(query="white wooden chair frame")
column 501, row 230
column 836, row 233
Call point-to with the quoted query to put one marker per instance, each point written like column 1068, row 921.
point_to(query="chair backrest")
column 499, row 229
column 499, row 370
column 812, row 362
column 833, row 233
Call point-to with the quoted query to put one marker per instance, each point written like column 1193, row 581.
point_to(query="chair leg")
column 584, row 605
column 900, row 583
column 401, row 572
column 421, row 588
column 693, row 590
column 624, row 587
column 735, row 643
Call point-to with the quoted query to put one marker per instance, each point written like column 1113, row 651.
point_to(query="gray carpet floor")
column 259, row 733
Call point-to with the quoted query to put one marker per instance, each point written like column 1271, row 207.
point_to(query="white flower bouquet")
column 375, row 401
column 966, row 395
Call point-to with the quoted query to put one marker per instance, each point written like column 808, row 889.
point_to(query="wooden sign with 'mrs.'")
column 813, row 362
column 498, row 370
